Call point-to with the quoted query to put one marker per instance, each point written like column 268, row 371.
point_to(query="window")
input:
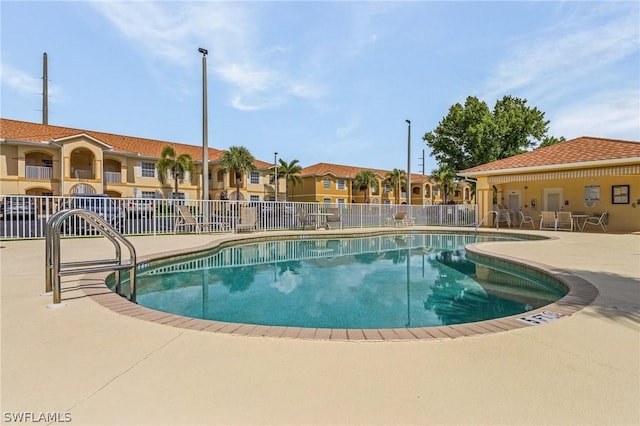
column 387, row 189
column 272, row 179
column 254, row 198
column 341, row 184
column 341, row 201
column 327, row 183
column 254, row 178
column 178, row 195
column 148, row 169
column 326, row 200
column 147, row 194
column 620, row 194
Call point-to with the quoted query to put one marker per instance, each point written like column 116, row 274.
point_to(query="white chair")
column 526, row 219
column 548, row 221
column 597, row 220
column 564, row 221
column 504, row 215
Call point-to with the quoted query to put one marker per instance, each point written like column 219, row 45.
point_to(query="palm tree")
column 444, row 178
column 396, row 179
column 364, row 181
column 239, row 160
column 178, row 166
column 290, row 172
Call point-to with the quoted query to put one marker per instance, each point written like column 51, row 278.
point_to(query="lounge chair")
column 399, row 219
column 597, row 220
column 187, row 220
column 334, row 218
column 564, row 222
column 248, row 219
column 548, row 221
column 526, row 219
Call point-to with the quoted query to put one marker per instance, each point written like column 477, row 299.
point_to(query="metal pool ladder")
column 486, row 216
column 54, row 268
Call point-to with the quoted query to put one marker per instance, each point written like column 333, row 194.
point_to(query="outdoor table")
column 320, row 216
column 579, row 220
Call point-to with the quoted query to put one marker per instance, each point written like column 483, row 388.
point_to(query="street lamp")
column 205, row 148
column 275, row 171
column 408, row 162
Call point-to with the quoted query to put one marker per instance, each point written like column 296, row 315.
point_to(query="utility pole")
column 205, row 130
column 408, row 162
column 45, row 90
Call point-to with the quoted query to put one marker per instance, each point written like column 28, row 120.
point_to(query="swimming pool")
column 381, row 281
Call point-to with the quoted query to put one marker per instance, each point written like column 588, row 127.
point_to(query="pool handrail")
column 54, row 268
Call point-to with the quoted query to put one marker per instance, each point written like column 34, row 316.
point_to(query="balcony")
column 82, row 174
column 112, row 177
column 39, row 172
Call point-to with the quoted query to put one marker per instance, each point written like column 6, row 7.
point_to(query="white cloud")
column 614, row 114
column 258, row 76
column 21, row 82
column 547, row 64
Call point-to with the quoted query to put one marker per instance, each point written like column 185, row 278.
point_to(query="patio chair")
column 304, row 219
column 399, row 219
column 526, row 219
column 504, row 215
column 597, row 220
column 187, row 220
column 548, row 221
column 564, row 222
column 248, row 219
column 334, row 218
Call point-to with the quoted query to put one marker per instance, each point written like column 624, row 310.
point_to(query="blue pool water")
column 384, row 281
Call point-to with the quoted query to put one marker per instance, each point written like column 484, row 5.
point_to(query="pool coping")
column 581, row 293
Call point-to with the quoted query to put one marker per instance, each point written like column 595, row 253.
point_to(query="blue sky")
column 319, row 81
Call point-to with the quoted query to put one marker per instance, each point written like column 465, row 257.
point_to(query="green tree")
column 444, row 177
column 237, row 160
column 472, row 134
column 177, row 166
column 365, row 180
column 396, row 179
column 290, row 171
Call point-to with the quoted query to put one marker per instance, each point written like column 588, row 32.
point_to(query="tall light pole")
column 205, row 132
column 275, row 171
column 408, row 162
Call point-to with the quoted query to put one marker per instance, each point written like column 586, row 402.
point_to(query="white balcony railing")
column 39, row 172
column 112, row 177
column 82, row 174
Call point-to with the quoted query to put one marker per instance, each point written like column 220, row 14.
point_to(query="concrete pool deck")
column 90, row 365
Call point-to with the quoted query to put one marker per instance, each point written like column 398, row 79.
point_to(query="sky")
column 319, row 81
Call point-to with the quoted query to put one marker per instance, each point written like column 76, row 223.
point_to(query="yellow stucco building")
column 37, row 159
column 586, row 176
column 334, row 183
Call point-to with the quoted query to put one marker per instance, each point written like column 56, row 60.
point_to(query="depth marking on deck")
column 541, row 317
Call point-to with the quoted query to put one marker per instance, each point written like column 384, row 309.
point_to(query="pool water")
column 384, row 281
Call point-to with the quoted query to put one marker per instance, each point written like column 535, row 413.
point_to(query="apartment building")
column 37, row 159
column 335, row 183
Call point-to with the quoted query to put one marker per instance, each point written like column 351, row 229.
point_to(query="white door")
column 513, row 204
column 552, row 200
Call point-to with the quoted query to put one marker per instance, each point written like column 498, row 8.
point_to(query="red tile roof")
column 24, row 131
column 348, row 172
column 581, row 150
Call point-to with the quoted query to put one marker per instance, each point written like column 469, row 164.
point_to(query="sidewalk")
column 92, row 366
